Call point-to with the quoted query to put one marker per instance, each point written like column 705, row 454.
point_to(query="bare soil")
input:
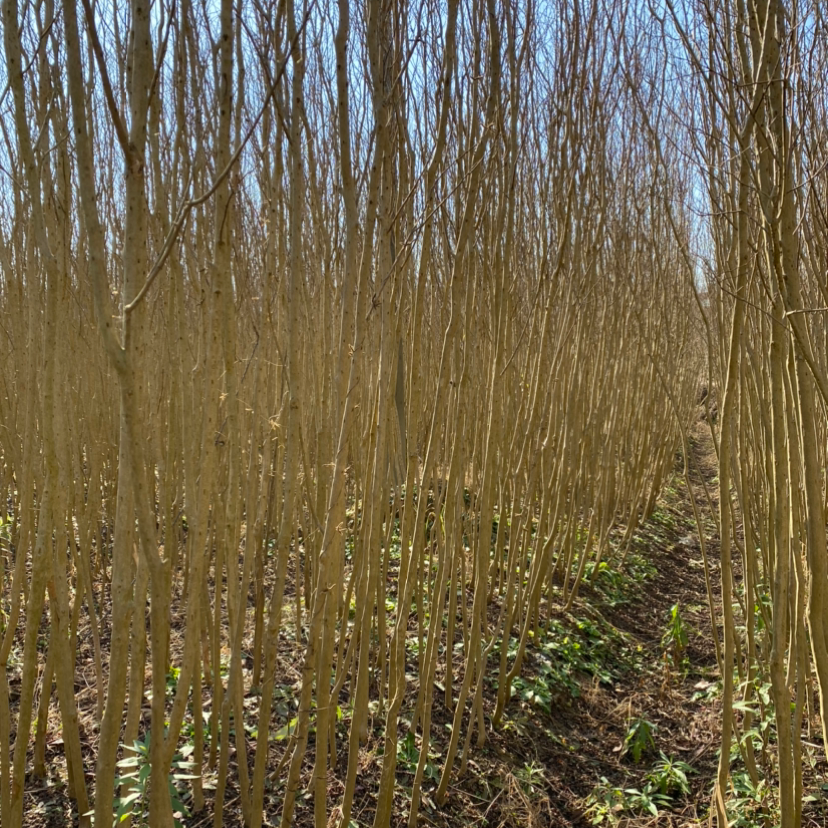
column 541, row 766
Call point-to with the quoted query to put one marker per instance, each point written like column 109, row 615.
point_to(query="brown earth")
column 603, row 668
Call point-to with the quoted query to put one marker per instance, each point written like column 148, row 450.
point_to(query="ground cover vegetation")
column 413, row 411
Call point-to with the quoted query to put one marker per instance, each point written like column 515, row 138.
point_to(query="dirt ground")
column 605, row 667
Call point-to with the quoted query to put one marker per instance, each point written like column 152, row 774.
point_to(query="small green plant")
column 664, row 518
column 612, row 584
column 620, row 586
column 172, row 680
column 751, row 806
column 136, row 770
column 674, row 641
column 608, row 803
column 407, row 753
column 605, row 804
column 534, row 691
column 669, row 776
column 645, row 801
column 408, row 756
column 639, row 738
column 566, row 652
column 188, row 730
column 531, row 777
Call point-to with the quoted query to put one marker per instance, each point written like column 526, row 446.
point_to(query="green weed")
column 607, row 804
column 531, row 778
column 669, row 776
column 618, row 587
column 408, row 756
column 566, row 652
column 136, row 770
column 674, row 641
column 639, row 739
column 751, row 806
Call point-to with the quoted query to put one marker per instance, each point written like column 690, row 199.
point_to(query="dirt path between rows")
column 679, row 702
